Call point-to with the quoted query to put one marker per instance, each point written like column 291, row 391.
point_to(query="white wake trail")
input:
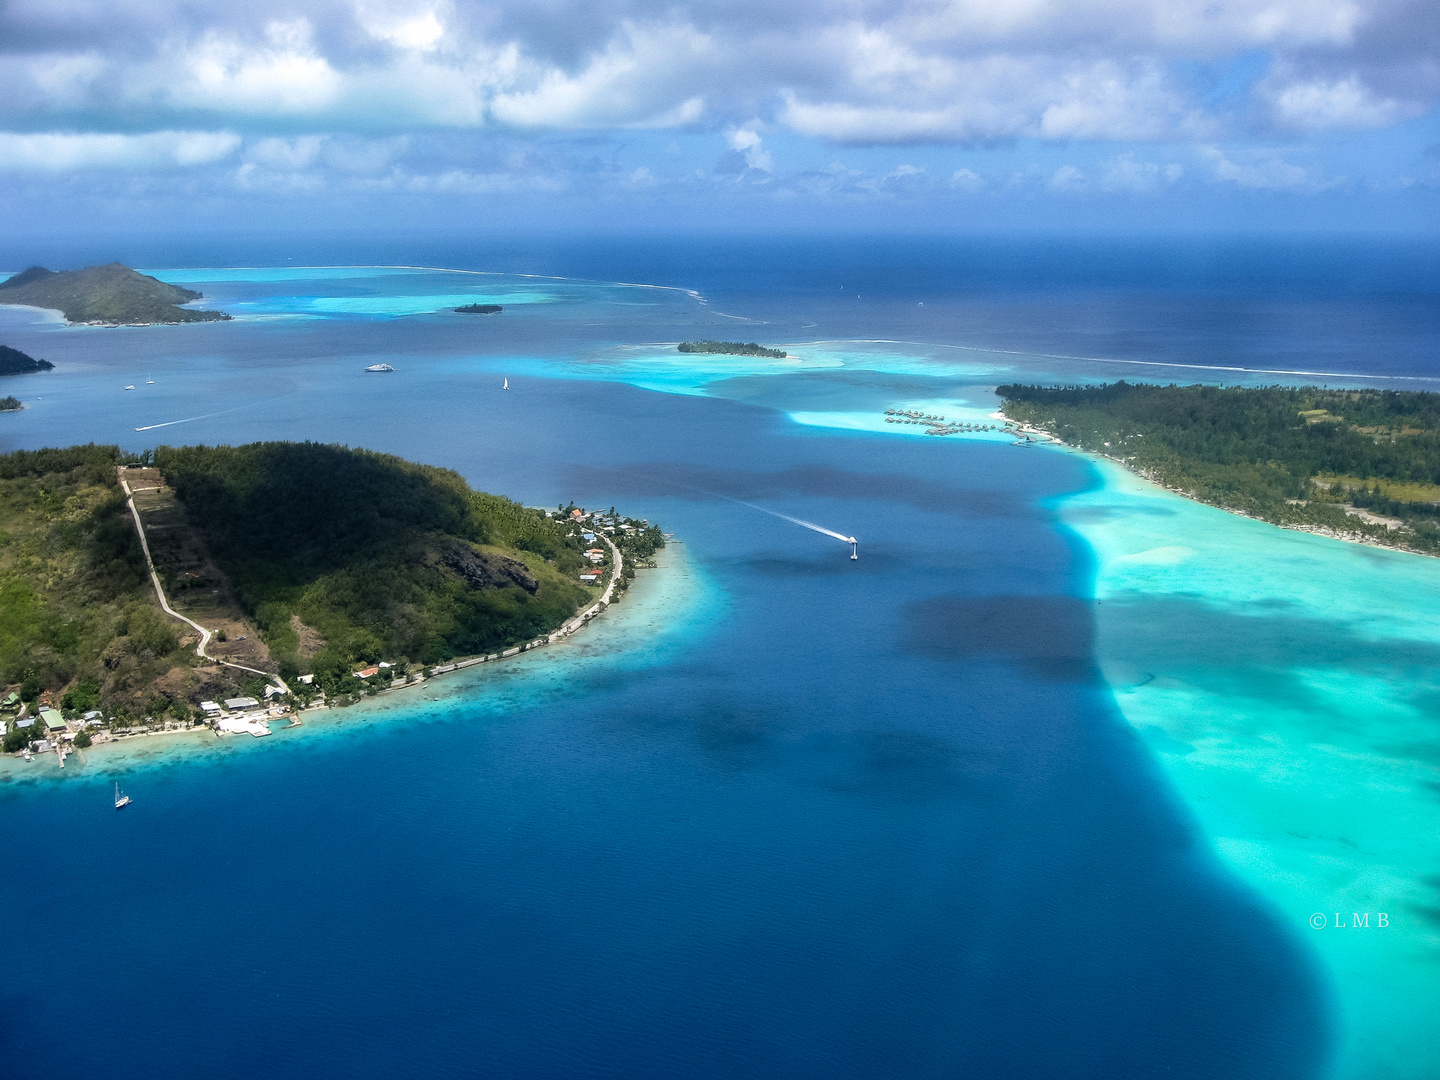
column 190, row 419
column 794, row 520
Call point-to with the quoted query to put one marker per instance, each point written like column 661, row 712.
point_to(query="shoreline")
column 1283, row 711
column 15, row 768
column 1325, row 531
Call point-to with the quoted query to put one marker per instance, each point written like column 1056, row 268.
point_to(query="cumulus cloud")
column 746, row 151
column 300, row 93
column 1262, row 172
column 1321, row 104
column 53, row 152
column 865, row 71
column 634, row 82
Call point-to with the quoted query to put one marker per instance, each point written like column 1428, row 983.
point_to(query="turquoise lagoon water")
column 782, row 814
column 1291, row 686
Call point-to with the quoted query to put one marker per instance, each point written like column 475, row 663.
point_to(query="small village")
column 43, row 726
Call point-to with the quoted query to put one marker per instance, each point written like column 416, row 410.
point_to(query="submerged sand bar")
column 1290, row 685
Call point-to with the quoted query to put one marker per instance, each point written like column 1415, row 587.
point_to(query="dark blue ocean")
column 866, row 819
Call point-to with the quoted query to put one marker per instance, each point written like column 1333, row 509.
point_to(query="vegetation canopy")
column 339, row 558
column 110, row 295
column 1344, row 459
column 15, row 362
column 381, row 557
column 731, row 348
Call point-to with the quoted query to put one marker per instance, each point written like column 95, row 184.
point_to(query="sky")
column 911, row 114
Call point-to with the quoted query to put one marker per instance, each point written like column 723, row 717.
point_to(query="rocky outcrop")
column 483, row 571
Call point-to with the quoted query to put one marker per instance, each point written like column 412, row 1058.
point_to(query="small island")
column 1361, row 465
column 731, row 348
column 15, row 362
column 480, row 309
column 317, row 575
column 109, row 295
column 10, row 404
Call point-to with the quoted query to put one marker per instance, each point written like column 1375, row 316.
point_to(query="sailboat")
column 507, row 384
column 149, row 381
column 121, row 799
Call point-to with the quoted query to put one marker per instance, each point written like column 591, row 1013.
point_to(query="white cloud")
column 1266, row 172
column 1000, row 97
column 361, row 91
column 405, row 25
column 967, row 180
column 1317, row 105
column 1068, row 178
column 633, row 82
column 55, row 152
column 286, row 75
column 1124, row 173
column 745, row 141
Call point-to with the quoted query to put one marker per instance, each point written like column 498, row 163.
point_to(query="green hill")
column 383, row 558
column 333, row 557
column 15, row 362
column 109, row 295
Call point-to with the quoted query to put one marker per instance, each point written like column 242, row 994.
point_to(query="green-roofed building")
column 11, row 702
column 52, row 719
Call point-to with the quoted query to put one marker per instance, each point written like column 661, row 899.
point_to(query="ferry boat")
column 121, row 799
column 379, row 367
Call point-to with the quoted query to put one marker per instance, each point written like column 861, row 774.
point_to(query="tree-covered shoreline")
column 731, row 348
column 1303, row 457
column 109, row 295
column 329, row 559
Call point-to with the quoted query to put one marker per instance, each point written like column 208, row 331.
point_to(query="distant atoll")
column 15, row 362
column 731, row 348
column 109, row 295
column 480, row 309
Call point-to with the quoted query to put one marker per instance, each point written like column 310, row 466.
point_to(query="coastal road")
column 571, row 625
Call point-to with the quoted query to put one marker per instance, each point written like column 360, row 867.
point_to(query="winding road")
column 205, row 634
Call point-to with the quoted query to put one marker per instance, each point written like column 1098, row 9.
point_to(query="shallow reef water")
column 1050, row 781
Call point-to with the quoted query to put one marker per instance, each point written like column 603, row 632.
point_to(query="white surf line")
column 452, row 270
column 1109, row 360
column 165, row 604
column 190, row 419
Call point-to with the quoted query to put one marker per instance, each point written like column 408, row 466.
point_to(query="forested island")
column 480, row 309
column 10, row 404
column 1363, row 464
column 345, row 567
column 15, row 362
column 109, row 295
column 731, row 348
